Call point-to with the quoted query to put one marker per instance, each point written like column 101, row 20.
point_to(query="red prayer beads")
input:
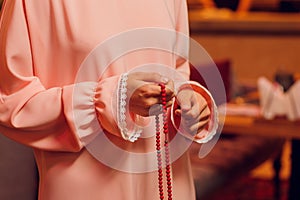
column 166, row 146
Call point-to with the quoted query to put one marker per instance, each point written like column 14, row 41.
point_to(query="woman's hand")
column 144, row 93
column 194, row 111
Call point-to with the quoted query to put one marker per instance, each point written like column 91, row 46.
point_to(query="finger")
column 192, row 113
column 145, row 110
column 154, row 91
column 170, row 89
column 194, row 129
column 178, row 112
column 201, row 134
column 185, row 105
column 147, row 100
column 185, row 100
column 151, row 77
column 191, row 122
column 197, row 111
column 193, row 117
column 139, row 110
column 198, row 127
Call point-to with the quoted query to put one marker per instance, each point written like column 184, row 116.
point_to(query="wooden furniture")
column 257, row 43
column 245, row 143
column 247, row 125
column 279, row 127
column 232, row 157
column 250, row 23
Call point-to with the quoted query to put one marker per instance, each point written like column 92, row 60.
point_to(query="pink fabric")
column 43, row 44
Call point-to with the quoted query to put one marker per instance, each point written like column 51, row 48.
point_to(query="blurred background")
column 247, row 39
column 251, row 39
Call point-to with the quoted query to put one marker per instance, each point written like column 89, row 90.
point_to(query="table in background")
column 256, row 125
column 249, row 125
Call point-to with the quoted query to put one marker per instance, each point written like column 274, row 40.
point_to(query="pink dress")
column 43, row 45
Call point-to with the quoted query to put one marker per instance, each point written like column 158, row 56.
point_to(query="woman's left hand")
column 194, row 111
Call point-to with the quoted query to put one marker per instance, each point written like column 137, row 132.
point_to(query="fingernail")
column 178, row 113
column 185, row 107
column 164, row 79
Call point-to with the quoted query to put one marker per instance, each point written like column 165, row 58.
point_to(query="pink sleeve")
column 30, row 113
column 182, row 27
column 183, row 66
column 106, row 98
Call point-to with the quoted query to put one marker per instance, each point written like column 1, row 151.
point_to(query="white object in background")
column 275, row 102
column 293, row 98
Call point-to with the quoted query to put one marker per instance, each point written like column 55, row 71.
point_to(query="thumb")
column 184, row 102
column 185, row 105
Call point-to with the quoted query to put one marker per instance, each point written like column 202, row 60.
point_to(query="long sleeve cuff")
column 126, row 121
column 80, row 110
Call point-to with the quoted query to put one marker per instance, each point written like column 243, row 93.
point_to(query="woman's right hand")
column 144, row 93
